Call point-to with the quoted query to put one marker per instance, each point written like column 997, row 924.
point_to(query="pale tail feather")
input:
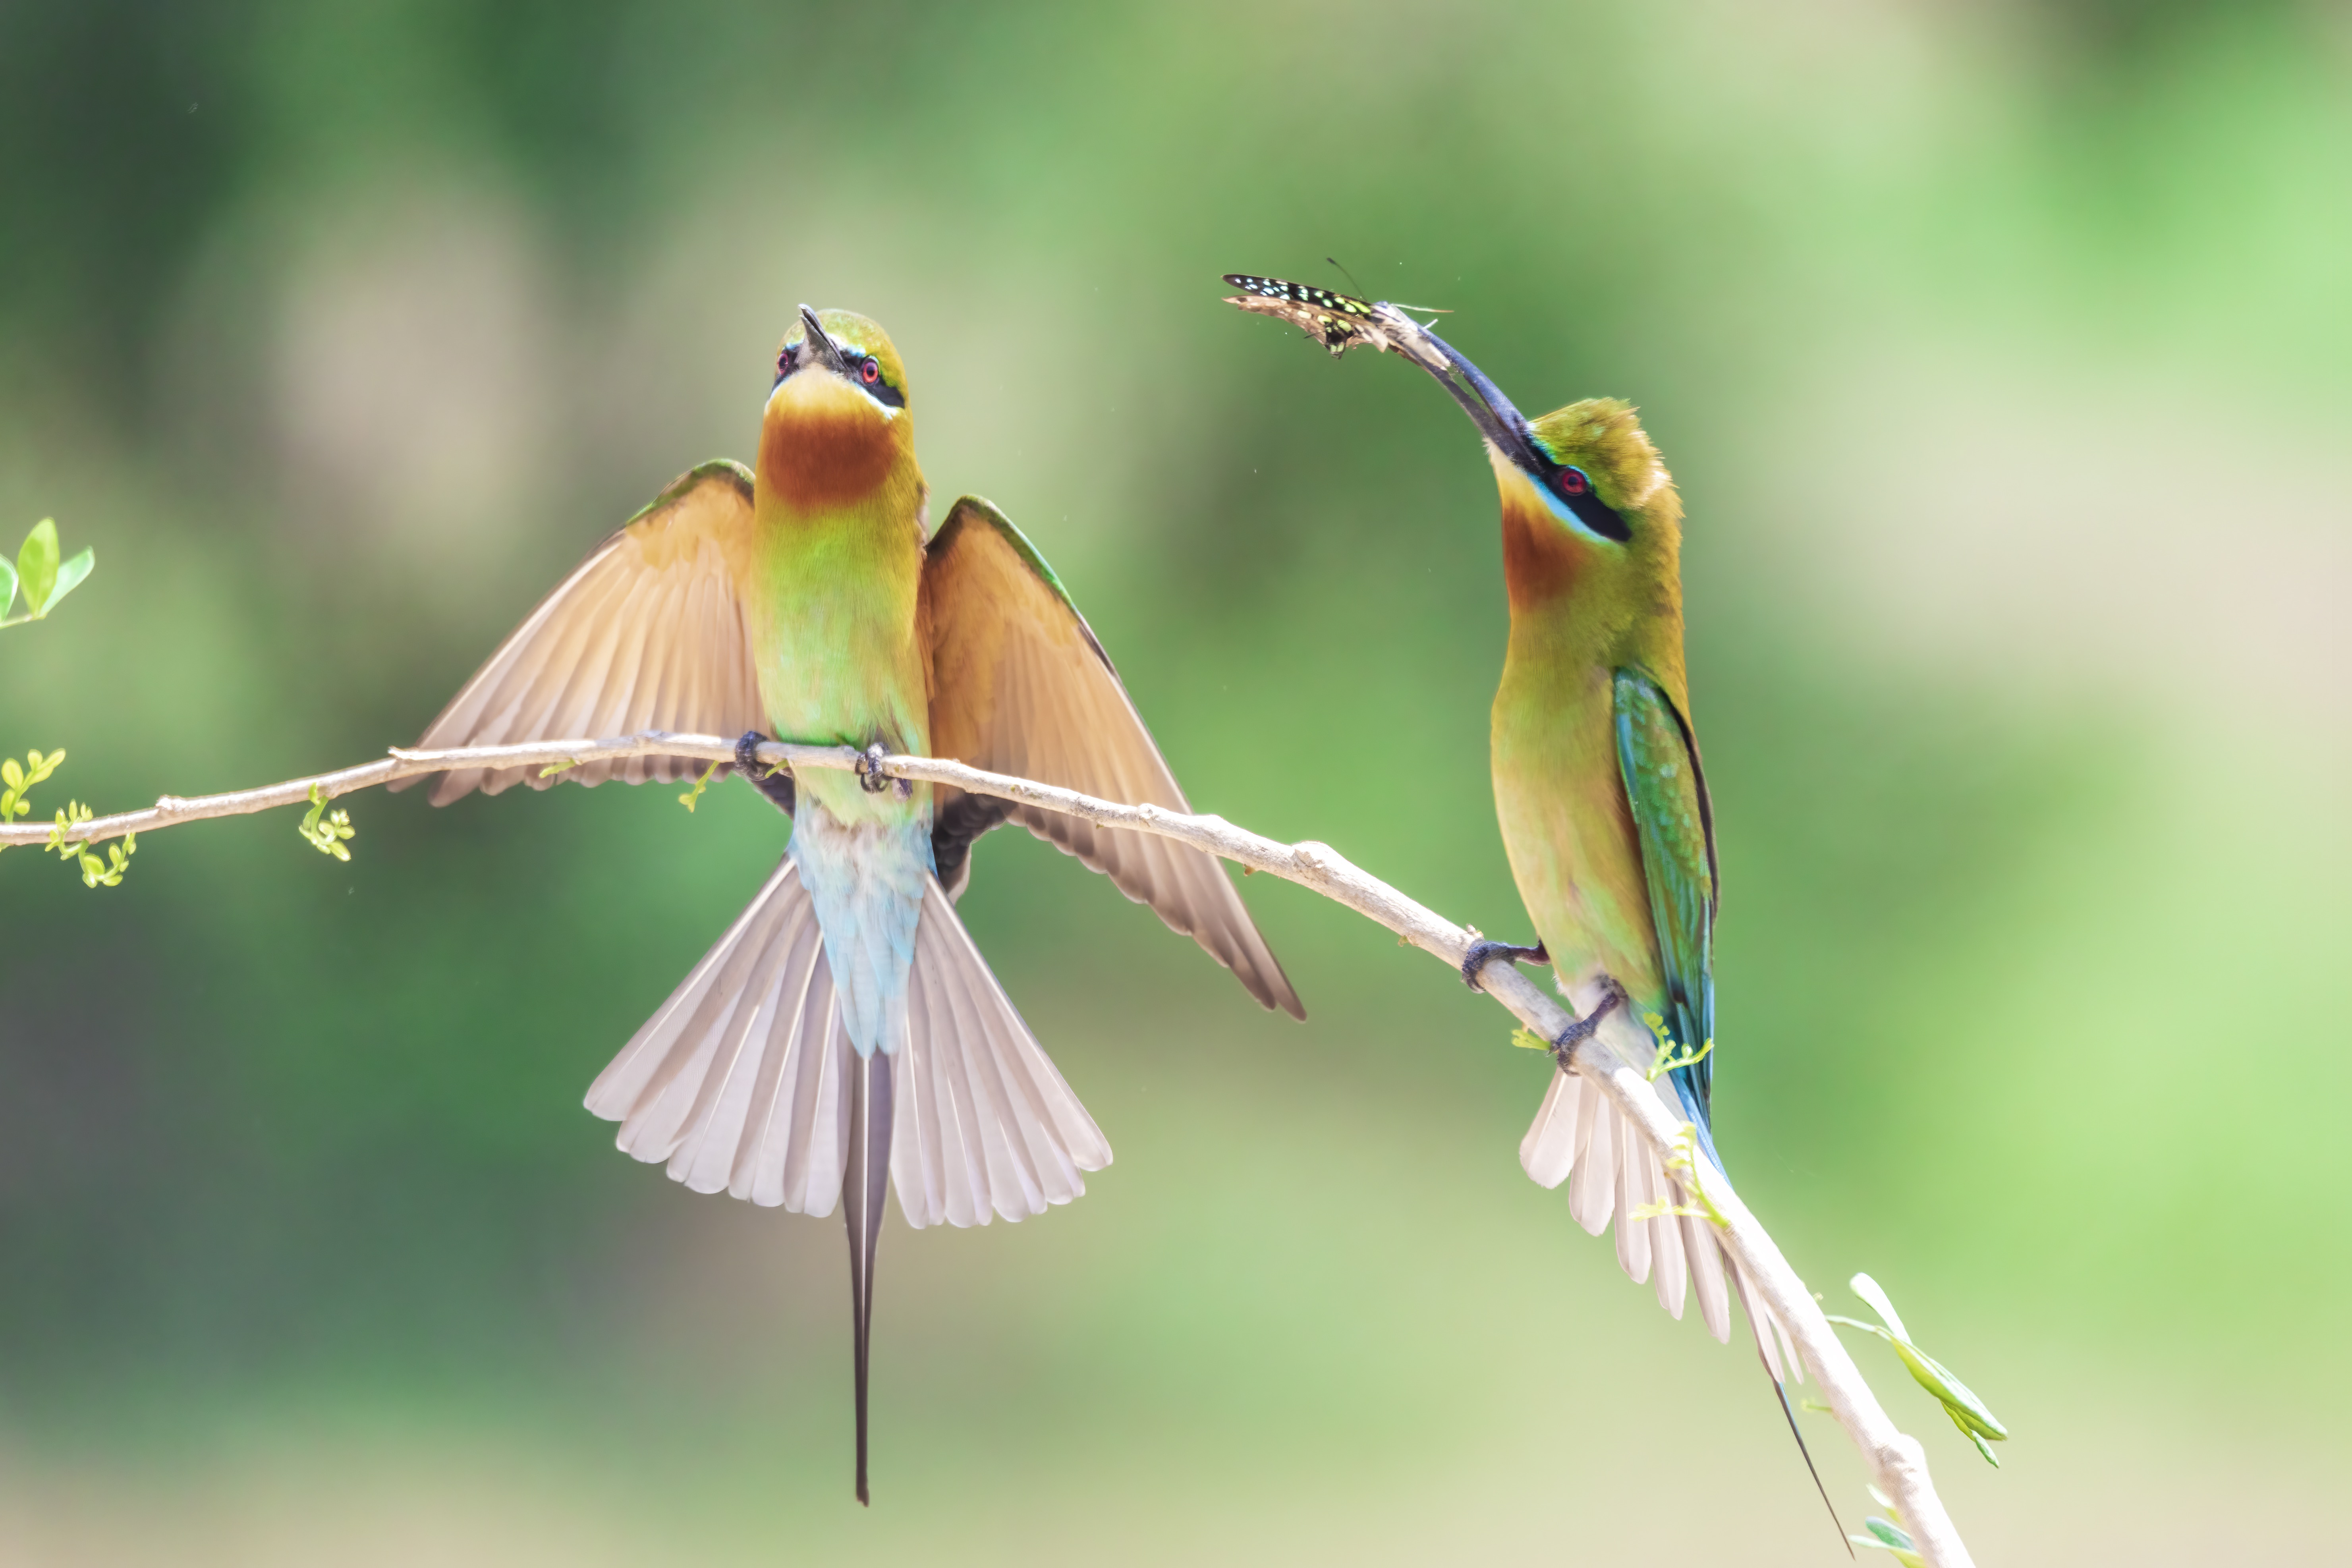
column 1549, row 1150
column 1578, row 1137
column 987, row 1126
column 739, row 1080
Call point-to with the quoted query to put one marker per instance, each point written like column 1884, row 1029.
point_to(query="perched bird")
column 1597, row 787
column 845, row 1030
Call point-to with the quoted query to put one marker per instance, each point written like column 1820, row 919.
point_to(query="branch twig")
column 1896, row 1460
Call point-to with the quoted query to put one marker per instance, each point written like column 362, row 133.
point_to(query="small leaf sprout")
column 1682, row 1163
column 690, row 796
column 18, row 779
column 1670, row 1055
column 76, row 852
column 326, row 836
column 1888, row 1535
column 39, row 576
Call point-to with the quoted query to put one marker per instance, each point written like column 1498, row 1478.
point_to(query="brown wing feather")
column 1021, row 686
column 645, row 633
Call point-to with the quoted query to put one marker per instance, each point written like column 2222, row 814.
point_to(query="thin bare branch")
column 1896, row 1460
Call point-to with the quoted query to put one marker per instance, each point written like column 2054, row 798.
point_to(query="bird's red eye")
column 871, row 371
column 1572, row 483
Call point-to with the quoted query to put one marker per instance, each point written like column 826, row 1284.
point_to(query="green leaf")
column 70, row 577
column 1959, row 1398
column 1967, row 1412
column 1891, row 1534
column 37, row 565
column 1973, row 1436
column 7, row 584
column 1892, row 1539
column 1872, row 1292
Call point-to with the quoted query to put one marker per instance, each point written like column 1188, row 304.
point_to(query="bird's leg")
column 870, row 776
column 1612, row 996
column 776, row 784
column 1474, row 961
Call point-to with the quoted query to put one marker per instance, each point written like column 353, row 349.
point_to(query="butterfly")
column 1338, row 322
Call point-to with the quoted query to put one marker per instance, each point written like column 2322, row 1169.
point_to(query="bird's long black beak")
column 1498, row 420
column 1504, row 428
column 822, row 350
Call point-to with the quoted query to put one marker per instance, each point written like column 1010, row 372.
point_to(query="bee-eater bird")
column 1598, row 788
column 845, row 1031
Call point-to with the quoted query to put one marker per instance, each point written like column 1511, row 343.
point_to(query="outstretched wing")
column 1021, row 686
column 645, row 633
column 1659, row 762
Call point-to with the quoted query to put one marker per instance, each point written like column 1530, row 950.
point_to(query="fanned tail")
column 1581, row 1138
column 740, row 1081
column 745, row 1082
column 988, row 1127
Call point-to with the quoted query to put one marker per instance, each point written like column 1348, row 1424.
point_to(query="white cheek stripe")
column 1558, row 508
column 872, row 402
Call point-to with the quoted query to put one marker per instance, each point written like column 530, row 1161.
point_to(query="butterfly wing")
column 1338, row 322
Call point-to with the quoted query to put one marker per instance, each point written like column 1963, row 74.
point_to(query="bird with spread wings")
column 845, row 1035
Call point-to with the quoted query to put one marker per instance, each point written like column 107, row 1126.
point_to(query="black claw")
column 776, row 786
column 1612, row 996
column 870, row 776
column 1482, row 949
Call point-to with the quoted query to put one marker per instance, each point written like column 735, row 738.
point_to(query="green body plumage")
column 1596, row 786
column 834, row 598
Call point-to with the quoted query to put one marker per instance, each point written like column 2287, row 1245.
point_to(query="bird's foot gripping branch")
column 1482, row 951
column 1563, row 1045
column 1597, row 1056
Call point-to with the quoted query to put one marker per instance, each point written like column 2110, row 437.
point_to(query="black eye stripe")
column 1573, row 486
column 880, row 389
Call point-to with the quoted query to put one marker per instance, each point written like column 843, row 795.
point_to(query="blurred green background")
column 2000, row 352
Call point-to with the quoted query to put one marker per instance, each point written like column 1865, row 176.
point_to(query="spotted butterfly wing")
column 1338, row 322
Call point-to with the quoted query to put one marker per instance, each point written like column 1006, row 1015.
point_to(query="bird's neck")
column 834, row 605
column 1579, row 603
column 825, row 446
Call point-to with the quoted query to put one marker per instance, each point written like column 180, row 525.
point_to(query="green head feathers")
column 851, row 346
column 1601, row 437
